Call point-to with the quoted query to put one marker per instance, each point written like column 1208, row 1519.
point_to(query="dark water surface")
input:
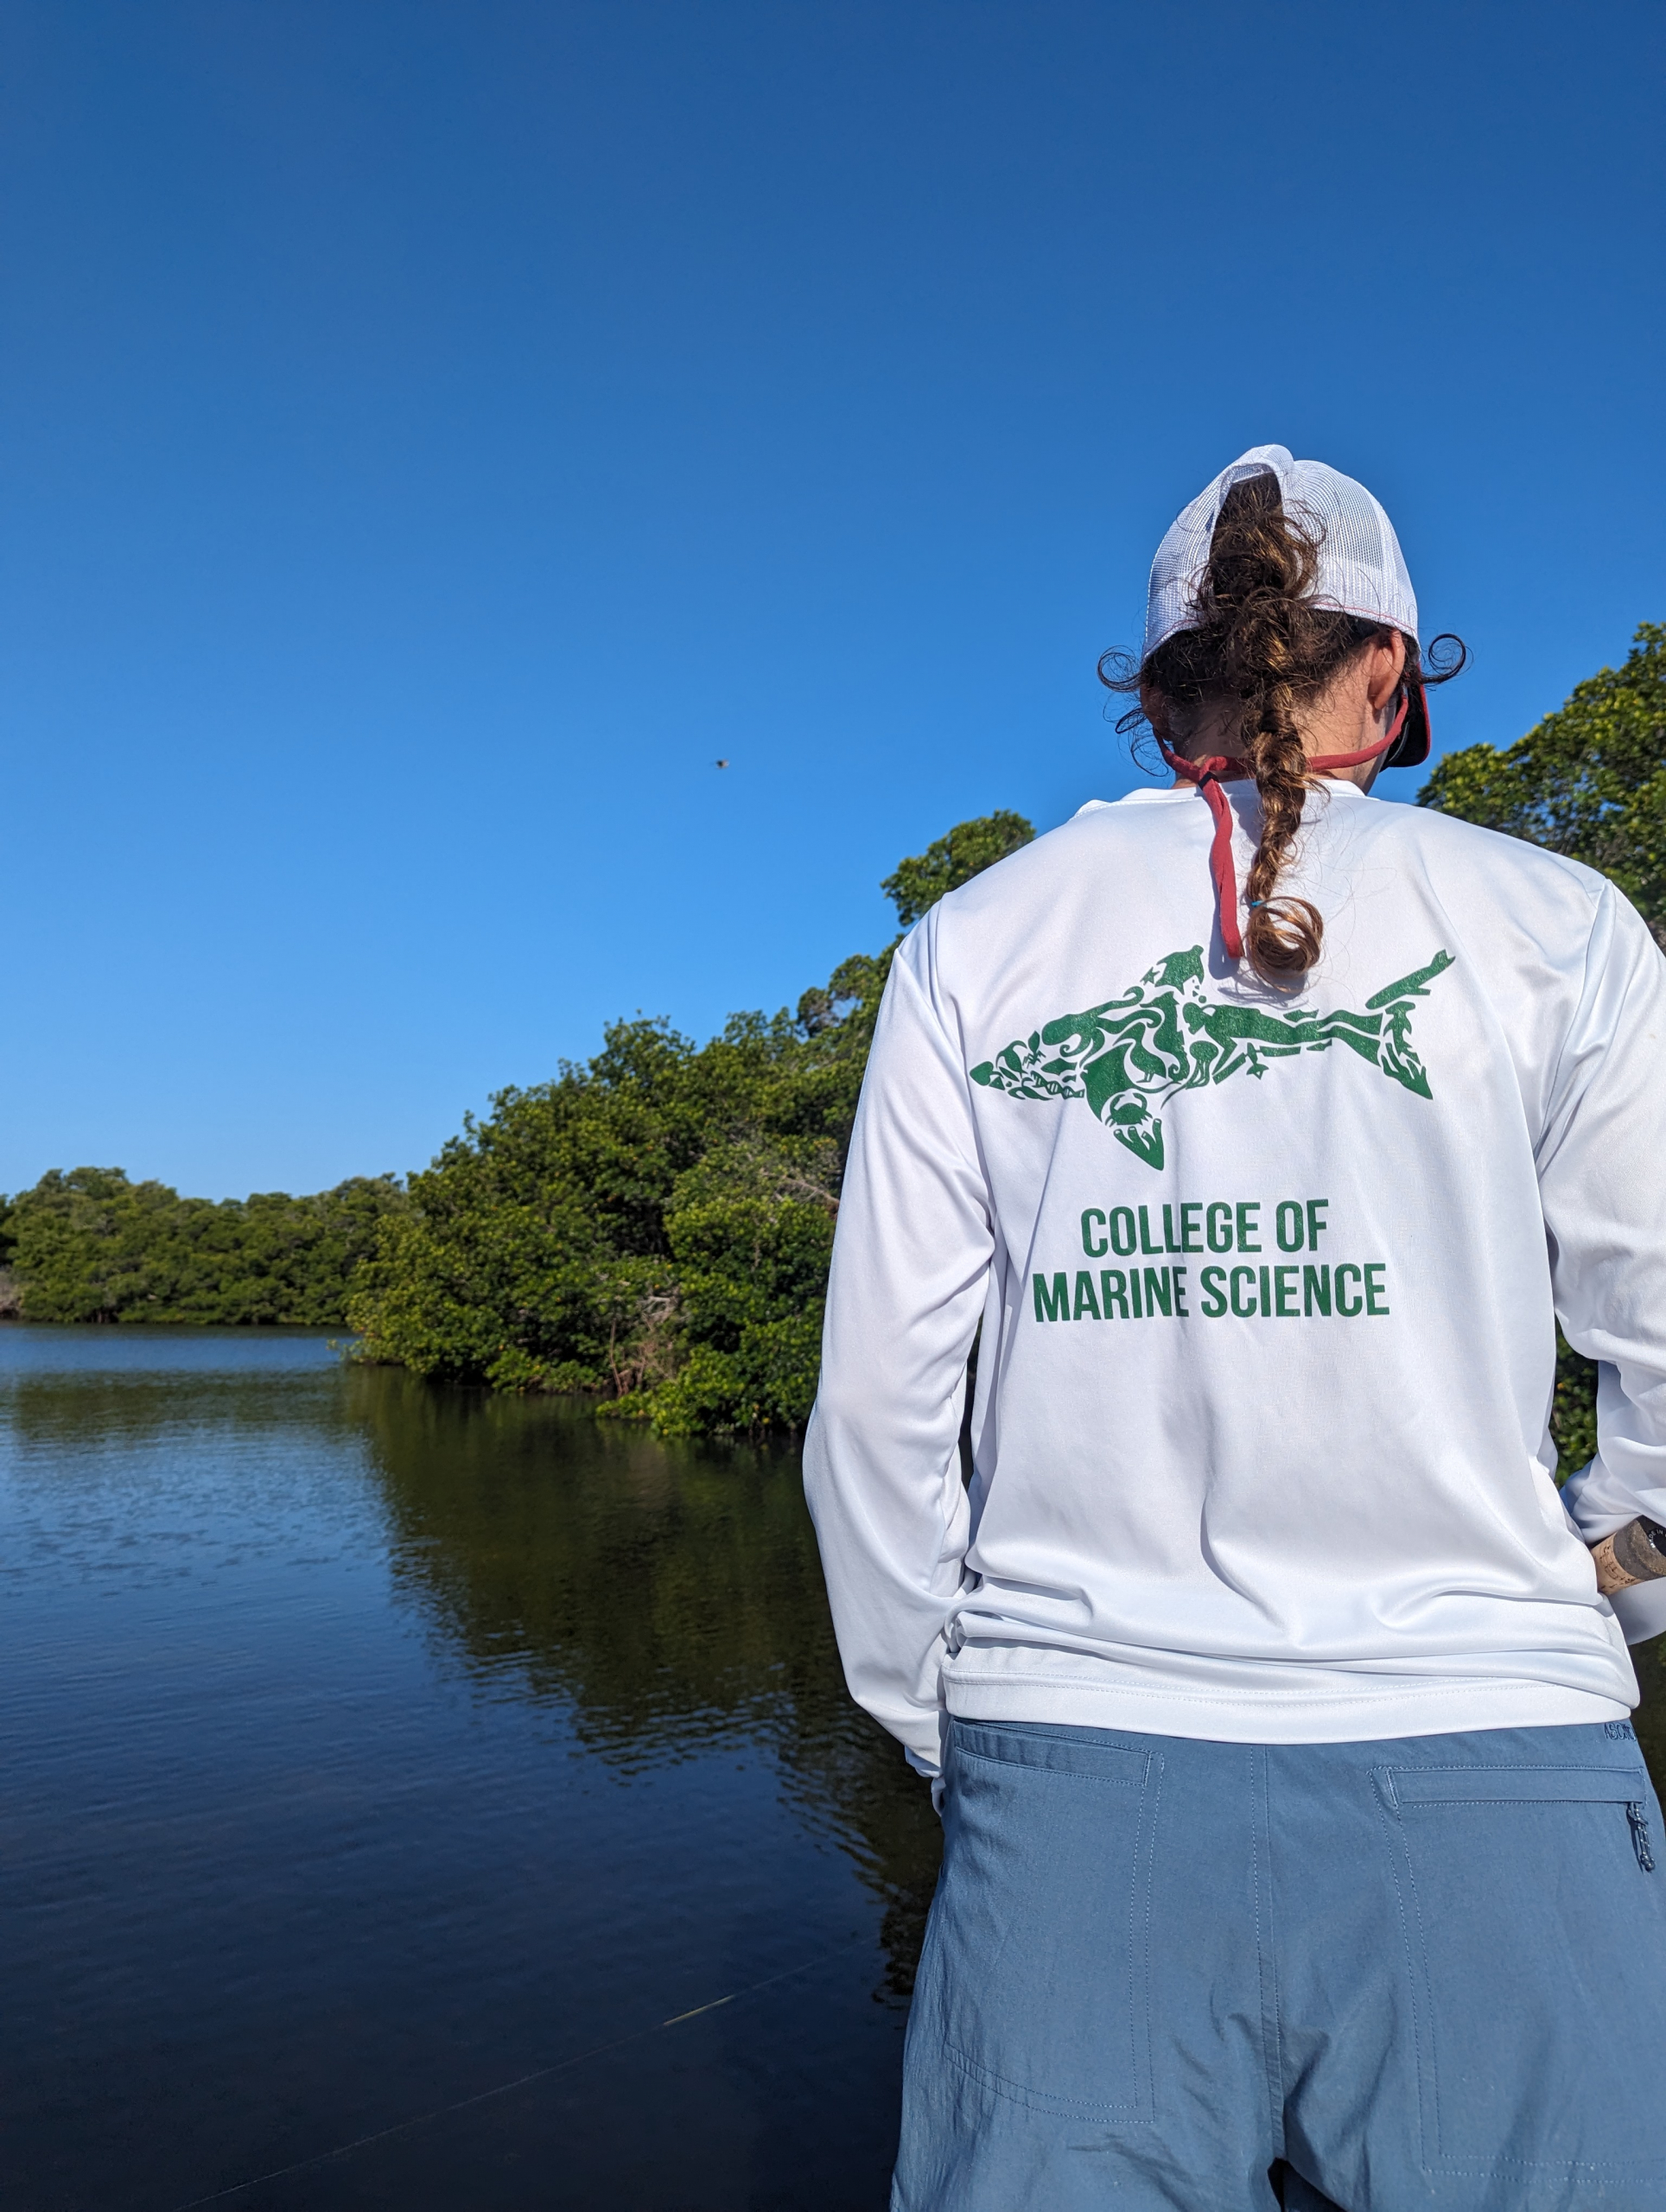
column 369, row 1748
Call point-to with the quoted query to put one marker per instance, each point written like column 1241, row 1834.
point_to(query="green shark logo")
column 1131, row 1055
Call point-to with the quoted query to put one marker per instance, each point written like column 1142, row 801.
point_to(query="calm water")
column 371, row 1747
column 371, row 1750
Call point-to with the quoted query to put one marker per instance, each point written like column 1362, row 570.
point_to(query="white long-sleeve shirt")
column 1269, row 1288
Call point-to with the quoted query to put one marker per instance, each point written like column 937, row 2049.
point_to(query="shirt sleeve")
column 910, row 1263
column 1602, row 1176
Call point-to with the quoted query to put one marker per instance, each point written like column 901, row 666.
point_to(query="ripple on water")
column 372, row 1745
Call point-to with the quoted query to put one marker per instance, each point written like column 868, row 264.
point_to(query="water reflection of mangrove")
column 668, row 1598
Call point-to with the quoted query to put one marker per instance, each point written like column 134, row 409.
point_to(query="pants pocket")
column 1036, row 1973
column 1535, row 1936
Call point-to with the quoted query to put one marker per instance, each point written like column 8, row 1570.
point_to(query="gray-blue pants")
column 1425, row 1972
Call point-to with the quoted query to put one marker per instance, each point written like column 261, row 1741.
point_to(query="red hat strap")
column 1210, row 774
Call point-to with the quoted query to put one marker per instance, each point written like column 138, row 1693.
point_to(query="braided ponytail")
column 1273, row 648
column 1261, row 643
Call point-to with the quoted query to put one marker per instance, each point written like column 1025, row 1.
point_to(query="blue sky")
column 431, row 434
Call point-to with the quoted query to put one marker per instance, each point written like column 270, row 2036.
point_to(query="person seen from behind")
column 1298, row 1848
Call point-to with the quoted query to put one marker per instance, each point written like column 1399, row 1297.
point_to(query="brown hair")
column 1260, row 640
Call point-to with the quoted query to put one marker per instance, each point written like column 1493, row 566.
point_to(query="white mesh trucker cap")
column 1361, row 569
